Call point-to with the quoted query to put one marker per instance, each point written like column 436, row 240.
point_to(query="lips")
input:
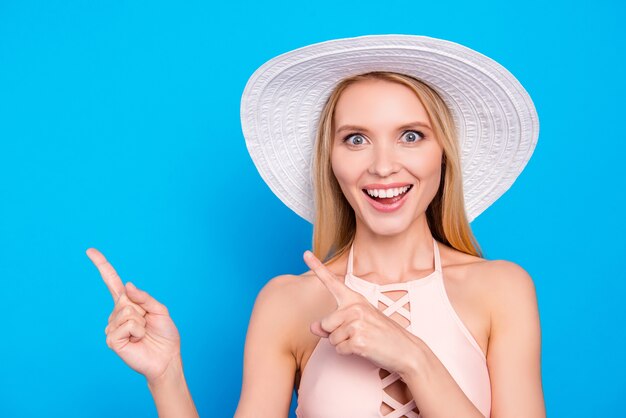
column 387, row 199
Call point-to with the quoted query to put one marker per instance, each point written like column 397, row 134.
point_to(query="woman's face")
column 385, row 156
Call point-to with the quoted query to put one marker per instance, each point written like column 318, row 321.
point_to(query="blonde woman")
column 390, row 145
column 405, row 318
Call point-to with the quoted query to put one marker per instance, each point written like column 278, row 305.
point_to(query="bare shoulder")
column 291, row 302
column 508, row 283
column 283, row 287
column 509, row 296
column 514, row 344
column 488, row 295
column 498, row 278
column 292, row 291
column 273, row 342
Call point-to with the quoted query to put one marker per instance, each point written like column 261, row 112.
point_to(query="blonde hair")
column 335, row 222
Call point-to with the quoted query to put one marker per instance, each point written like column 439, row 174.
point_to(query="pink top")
column 335, row 385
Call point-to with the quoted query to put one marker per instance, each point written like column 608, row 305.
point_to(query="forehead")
column 379, row 101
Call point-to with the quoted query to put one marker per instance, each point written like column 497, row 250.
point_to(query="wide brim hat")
column 496, row 121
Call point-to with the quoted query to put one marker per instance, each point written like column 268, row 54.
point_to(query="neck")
column 393, row 258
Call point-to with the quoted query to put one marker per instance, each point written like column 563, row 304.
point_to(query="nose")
column 384, row 161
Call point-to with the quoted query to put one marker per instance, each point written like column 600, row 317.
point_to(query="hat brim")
column 495, row 118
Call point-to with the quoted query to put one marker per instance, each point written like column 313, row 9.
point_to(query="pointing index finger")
column 338, row 289
column 108, row 273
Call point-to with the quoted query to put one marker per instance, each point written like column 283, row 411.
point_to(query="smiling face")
column 385, row 155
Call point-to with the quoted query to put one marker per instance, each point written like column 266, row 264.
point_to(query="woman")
column 408, row 137
column 405, row 318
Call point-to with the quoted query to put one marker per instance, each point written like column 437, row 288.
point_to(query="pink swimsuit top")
column 334, row 385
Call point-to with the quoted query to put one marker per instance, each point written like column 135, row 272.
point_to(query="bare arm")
column 269, row 365
column 513, row 357
column 171, row 395
column 435, row 391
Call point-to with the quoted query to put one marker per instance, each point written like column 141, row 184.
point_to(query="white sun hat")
column 496, row 121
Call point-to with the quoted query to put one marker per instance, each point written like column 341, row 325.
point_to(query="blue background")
column 119, row 129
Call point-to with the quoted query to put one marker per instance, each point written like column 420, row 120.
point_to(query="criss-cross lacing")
column 399, row 311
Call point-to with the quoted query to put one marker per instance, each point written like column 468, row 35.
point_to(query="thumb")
column 316, row 328
column 143, row 299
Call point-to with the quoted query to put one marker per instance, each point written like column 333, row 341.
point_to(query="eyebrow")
column 401, row 128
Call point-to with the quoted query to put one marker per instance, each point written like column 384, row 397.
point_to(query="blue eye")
column 355, row 139
column 412, row 136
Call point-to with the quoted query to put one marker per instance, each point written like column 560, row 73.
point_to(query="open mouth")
column 388, row 196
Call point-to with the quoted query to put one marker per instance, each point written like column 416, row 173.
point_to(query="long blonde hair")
column 335, row 221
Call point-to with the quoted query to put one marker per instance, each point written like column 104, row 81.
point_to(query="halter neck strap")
column 435, row 248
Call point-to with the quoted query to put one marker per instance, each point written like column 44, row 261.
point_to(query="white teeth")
column 387, row 193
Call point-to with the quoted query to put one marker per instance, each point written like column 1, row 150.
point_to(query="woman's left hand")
column 357, row 327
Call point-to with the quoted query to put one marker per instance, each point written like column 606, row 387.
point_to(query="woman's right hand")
column 140, row 329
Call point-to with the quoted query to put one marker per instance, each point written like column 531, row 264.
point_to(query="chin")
column 387, row 227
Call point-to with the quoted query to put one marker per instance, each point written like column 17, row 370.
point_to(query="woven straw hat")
column 495, row 118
